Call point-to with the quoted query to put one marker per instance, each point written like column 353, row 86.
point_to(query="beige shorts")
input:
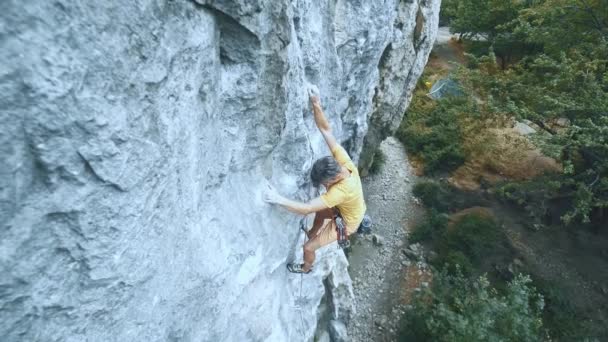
column 327, row 233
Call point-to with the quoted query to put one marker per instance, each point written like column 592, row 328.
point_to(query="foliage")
column 445, row 15
column 455, row 261
column 465, row 309
column 481, row 17
column 583, row 147
column 443, row 197
column 564, row 25
column 545, row 61
column 431, row 228
column 490, row 24
column 469, row 243
column 536, row 196
column 473, row 235
column 378, row 162
column 560, row 314
column 465, row 242
column 564, row 76
column 433, row 132
column 469, row 240
column 432, row 194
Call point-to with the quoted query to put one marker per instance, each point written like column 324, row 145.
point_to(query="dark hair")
column 324, row 170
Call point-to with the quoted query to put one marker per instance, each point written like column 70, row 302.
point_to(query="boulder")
column 377, row 239
column 523, row 129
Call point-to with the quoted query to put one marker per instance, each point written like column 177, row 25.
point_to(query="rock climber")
column 344, row 196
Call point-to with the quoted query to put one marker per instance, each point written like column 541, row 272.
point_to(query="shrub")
column 467, row 309
column 432, row 194
column 443, row 197
column 432, row 132
column 474, row 242
column 534, row 196
column 561, row 316
column 431, row 228
column 454, row 261
column 467, row 243
column 473, row 235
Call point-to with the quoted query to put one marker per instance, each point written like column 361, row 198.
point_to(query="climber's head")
column 324, row 171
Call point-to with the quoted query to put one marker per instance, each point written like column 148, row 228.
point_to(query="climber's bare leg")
column 326, row 235
column 321, row 218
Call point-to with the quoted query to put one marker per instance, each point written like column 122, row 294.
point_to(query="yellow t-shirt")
column 347, row 194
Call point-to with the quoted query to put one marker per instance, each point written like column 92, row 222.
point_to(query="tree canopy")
column 561, row 74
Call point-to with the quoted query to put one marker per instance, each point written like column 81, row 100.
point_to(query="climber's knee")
column 311, row 246
column 308, row 248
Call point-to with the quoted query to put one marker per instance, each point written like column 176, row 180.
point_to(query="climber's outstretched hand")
column 271, row 195
column 313, row 92
column 321, row 121
column 314, row 101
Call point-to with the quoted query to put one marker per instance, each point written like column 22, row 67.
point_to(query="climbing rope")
column 300, row 299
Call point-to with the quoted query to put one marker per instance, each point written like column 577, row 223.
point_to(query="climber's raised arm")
column 272, row 196
column 322, row 122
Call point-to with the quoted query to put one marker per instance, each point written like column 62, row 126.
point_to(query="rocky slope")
column 377, row 262
column 136, row 138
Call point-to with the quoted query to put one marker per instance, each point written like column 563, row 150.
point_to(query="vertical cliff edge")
column 137, row 136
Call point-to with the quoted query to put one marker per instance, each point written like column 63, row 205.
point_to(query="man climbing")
column 343, row 199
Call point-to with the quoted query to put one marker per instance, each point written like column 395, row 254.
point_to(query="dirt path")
column 377, row 265
column 447, row 54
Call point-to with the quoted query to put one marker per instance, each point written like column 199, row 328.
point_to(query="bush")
column 377, row 162
column 443, row 197
column 475, row 236
column 432, row 194
column 473, row 242
column 431, row 228
column 561, row 316
column 466, row 309
column 534, row 196
column 432, row 132
column 456, row 260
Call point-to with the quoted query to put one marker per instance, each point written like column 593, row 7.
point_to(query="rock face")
column 401, row 63
column 137, row 136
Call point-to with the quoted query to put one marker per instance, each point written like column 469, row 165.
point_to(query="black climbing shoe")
column 296, row 268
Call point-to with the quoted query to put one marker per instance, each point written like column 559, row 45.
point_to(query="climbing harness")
column 341, row 231
column 364, row 228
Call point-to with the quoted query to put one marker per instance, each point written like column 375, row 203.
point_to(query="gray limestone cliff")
column 137, row 137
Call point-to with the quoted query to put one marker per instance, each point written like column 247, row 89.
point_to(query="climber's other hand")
column 271, row 195
column 314, row 100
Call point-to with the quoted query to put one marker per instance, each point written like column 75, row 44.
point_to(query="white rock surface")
column 401, row 63
column 136, row 137
column 444, row 35
column 523, row 128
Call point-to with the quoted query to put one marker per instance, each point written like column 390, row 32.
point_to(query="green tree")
column 491, row 21
column 434, row 134
column 567, row 78
column 459, row 309
column 483, row 18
